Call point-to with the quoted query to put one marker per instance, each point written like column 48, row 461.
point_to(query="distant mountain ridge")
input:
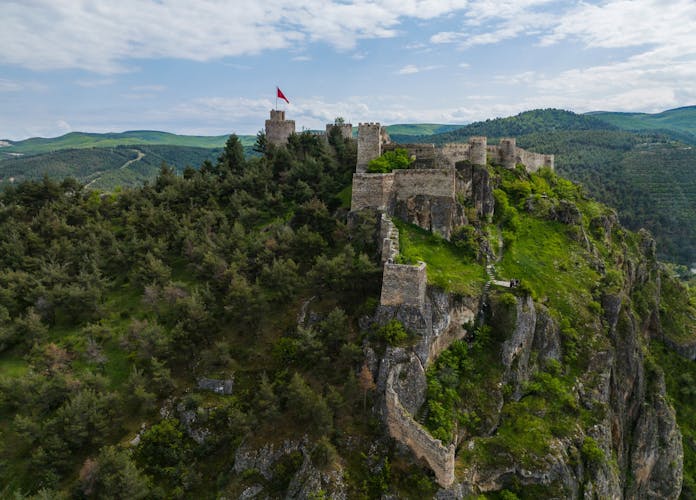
column 681, row 119
column 81, row 140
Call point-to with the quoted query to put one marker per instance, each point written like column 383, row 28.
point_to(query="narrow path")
column 140, row 156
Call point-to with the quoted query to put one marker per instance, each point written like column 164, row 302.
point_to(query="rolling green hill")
column 78, row 140
column 682, row 120
column 118, row 312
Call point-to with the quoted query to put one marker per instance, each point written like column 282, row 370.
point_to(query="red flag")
column 281, row 95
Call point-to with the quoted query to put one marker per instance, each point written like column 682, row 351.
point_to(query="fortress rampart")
column 431, row 182
column 406, row 430
column 403, row 284
column 372, row 191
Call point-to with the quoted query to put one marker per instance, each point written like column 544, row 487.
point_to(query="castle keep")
column 278, row 129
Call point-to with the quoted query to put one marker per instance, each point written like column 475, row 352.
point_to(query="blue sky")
column 210, row 67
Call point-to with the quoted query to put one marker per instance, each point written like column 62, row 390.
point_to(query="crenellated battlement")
column 278, row 129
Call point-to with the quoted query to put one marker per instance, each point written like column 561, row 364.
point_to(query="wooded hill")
column 115, row 309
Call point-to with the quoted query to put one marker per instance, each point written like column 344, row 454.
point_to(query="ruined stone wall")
column 345, row 128
column 425, row 155
column 369, row 144
column 534, row 161
column 450, row 154
column 403, row 284
column 278, row 129
column 430, row 182
column 406, row 430
column 371, row 191
column 389, row 236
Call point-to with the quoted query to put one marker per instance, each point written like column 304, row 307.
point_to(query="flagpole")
column 276, row 107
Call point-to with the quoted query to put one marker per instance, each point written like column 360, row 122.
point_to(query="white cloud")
column 104, row 36
column 411, row 69
column 95, row 83
column 301, row 58
column 149, row 88
column 63, row 126
column 17, row 86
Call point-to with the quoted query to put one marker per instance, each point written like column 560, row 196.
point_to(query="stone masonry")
column 369, row 144
column 403, row 284
column 278, row 129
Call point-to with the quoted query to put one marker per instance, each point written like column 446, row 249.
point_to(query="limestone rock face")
column 638, row 427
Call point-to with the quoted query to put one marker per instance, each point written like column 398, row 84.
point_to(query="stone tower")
column 508, row 152
column 345, row 128
column 548, row 161
column 278, row 129
column 478, row 150
column 369, row 144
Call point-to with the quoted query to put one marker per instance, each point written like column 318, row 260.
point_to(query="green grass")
column 448, row 267
column 13, row 366
column 549, row 263
column 345, row 196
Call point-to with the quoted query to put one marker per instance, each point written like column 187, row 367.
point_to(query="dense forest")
column 115, row 308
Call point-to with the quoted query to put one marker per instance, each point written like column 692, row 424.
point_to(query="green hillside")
column 117, row 310
column 678, row 120
column 75, row 140
column 648, row 177
column 103, row 168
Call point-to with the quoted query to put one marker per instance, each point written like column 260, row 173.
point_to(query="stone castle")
column 429, row 194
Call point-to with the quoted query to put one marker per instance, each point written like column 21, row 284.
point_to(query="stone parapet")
column 404, row 284
column 406, row 430
column 371, row 191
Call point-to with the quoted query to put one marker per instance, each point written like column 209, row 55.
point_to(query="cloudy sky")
column 211, row 66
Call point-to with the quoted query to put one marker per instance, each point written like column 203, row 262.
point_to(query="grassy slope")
column 77, row 140
column 679, row 119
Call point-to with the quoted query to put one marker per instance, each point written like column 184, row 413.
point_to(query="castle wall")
column 404, row 285
column 450, row 154
column 425, row 182
column 406, row 430
column 371, row 191
column 345, row 128
column 425, row 154
column 534, row 161
column 278, row 129
column 389, row 236
column 369, row 144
